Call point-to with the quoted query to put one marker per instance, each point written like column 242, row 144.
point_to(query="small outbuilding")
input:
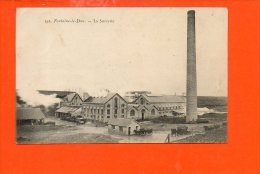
column 123, row 126
column 29, row 116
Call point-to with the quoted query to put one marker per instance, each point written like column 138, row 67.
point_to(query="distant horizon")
column 178, row 94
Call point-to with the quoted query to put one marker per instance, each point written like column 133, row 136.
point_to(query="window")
column 115, row 112
column 113, row 127
column 108, row 105
column 116, row 102
column 121, row 128
column 123, row 105
column 153, row 112
column 108, row 111
column 98, row 111
column 102, row 111
column 132, row 113
column 122, row 111
column 141, row 101
column 108, row 116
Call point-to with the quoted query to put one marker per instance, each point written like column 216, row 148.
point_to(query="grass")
column 211, row 117
column 74, row 138
column 51, row 134
column 169, row 120
column 214, row 117
column 39, row 128
column 212, row 136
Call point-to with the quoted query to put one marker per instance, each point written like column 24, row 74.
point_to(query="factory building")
column 137, row 107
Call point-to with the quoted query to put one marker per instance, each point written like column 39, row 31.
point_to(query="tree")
column 19, row 100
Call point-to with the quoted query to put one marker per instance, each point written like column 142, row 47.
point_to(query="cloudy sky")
column 142, row 49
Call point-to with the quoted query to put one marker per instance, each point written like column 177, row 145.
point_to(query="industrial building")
column 28, row 115
column 139, row 106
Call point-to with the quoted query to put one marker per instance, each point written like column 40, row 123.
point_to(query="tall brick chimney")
column 191, row 86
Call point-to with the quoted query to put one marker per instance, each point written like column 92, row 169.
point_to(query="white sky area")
column 144, row 49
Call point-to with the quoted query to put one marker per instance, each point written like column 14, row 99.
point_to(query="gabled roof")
column 142, row 95
column 88, row 99
column 121, row 122
column 71, row 96
column 133, row 106
column 162, row 98
column 150, row 107
column 142, row 107
column 29, row 114
column 166, row 99
column 67, row 109
column 59, row 94
column 102, row 100
column 77, row 112
column 129, row 99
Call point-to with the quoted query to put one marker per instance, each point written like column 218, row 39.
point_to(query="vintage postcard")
column 121, row 75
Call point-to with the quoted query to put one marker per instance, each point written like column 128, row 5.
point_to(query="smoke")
column 99, row 93
column 34, row 98
column 205, row 110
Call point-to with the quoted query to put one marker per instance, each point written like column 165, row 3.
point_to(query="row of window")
column 100, row 111
column 94, row 111
column 123, row 105
column 108, row 106
column 168, row 108
column 132, row 112
column 98, row 117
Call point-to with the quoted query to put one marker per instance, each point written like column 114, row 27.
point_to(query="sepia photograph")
column 121, row 75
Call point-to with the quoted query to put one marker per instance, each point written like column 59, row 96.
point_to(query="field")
column 212, row 136
column 63, row 133
column 69, row 132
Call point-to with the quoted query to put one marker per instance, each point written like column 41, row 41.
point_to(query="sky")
column 141, row 49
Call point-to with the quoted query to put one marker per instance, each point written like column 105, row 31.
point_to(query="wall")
column 76, row 101
column 112, row 108
column 125, row 129
column 96, row 113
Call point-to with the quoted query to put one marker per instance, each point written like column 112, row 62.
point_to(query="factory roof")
column 67, row 109
column 102, row 100
column 166, row 99
column 121, row 122
column 29, row 114
column 77, row 112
